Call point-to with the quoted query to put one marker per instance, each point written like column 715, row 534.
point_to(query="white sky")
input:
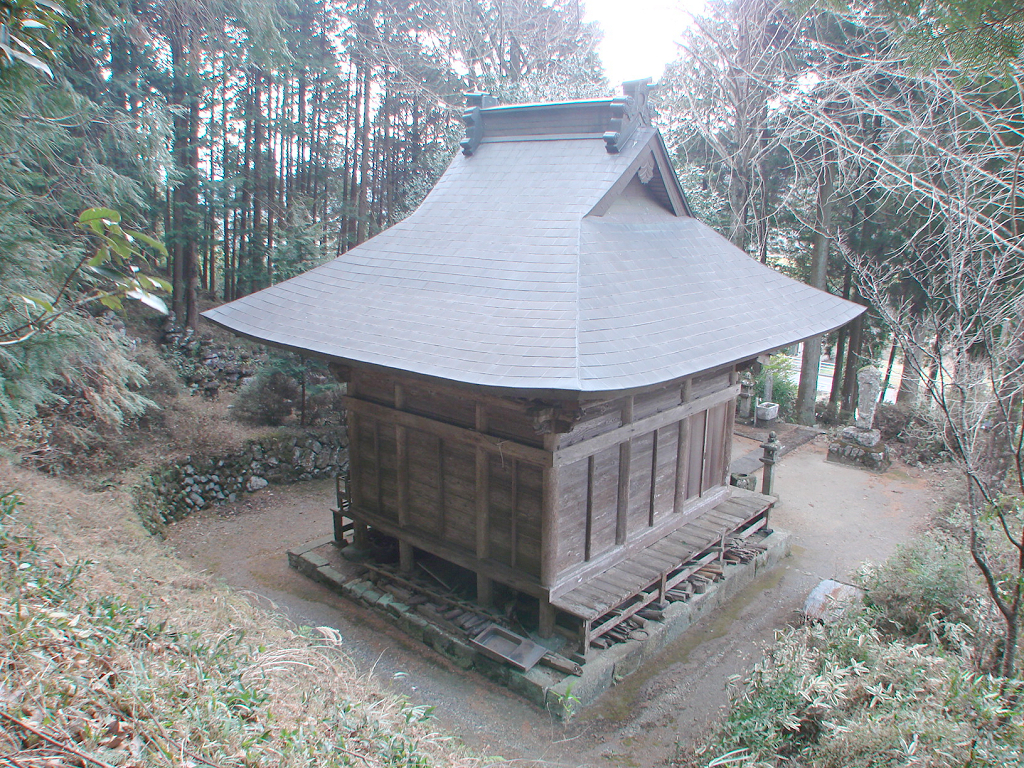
column 639, row 35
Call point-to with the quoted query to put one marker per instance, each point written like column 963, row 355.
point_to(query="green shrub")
column 924, row 583
column 784, row 385
column 290, row 385
column 268, row 399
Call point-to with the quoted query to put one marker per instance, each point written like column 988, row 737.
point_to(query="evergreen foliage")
column 257, row 139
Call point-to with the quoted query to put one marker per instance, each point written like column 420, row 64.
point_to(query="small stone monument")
column 861, row 445
column 745, row 401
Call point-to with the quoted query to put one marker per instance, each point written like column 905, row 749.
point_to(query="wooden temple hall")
column 542, row 362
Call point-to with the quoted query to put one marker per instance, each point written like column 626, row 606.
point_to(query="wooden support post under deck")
column 359, row 537
column 547, row 619
column 406, row 557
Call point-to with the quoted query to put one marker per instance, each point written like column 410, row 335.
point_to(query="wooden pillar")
column 360, row 542
column 654, row 479
column 406, row 557
column 585, row 639
column 625, row 460
column 683, row 452
column 484, row 585
column 513, row 532
column 588, row 542
column 730, row 425
column 548, row 521
column 548, row 538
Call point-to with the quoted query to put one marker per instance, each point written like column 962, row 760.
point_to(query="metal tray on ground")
column 503, row 644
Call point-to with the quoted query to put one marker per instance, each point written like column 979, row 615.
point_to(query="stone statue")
column 869, row 383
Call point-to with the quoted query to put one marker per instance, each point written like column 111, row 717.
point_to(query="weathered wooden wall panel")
column 657, row 400
column 502, row 502
column 604, row 493
column 376, row 387
column 424, row 481
column 714, row 450
column 665, row 472
column 640, row 484
column 460, row 496
column 528, row 506
column 512, row 423
column 365, row 470
column 695, row 463
column 707, row 383
column 388, row 472
column 447, row 404
column 571, row 528
column 598, row 417
column 605, row 496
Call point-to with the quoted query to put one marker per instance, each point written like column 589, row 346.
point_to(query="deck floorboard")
column 627, row 579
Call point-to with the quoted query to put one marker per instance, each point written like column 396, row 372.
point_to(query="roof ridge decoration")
column 473, row 120
column 615, row 120
column 629, row 112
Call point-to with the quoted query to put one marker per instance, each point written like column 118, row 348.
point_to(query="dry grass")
column 110, row 648
column 849, row 696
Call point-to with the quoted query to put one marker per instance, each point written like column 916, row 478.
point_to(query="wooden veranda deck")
column 616, row 594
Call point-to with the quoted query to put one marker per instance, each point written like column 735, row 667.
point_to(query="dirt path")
column 839, row 517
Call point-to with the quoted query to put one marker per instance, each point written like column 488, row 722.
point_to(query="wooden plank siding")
column 472, row 481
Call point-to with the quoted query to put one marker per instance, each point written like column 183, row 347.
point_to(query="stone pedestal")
column 744, row 481
column 860, row 448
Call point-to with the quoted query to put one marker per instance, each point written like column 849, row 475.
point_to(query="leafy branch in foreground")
column 25, row 26
column 108, row 276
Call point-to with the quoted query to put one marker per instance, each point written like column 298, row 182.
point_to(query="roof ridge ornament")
column 474, row 120
column 629, row 112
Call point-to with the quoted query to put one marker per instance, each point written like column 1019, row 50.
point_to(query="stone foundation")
column 559, row 693
column 177, row 490
column 862, row 448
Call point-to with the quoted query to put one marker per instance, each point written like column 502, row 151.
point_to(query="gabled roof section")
column 558, row 254
column 615, row 120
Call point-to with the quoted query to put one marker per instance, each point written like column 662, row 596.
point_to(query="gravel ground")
column 839, row 517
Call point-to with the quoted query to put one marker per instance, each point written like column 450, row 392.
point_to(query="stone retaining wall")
column 177, row 490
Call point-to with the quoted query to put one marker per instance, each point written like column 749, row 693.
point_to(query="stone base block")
column 744, row 481
column 855, row 454
column 868, row 438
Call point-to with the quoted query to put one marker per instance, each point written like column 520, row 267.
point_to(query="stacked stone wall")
column 176, row 490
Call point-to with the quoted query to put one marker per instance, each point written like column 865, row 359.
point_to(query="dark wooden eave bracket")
column 554, row 418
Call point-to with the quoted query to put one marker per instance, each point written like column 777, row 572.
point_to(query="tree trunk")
column 910, row 381
column 807, row 392
column 853, row 359
column 888, row 371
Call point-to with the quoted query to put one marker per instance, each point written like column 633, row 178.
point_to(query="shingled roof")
column 557, row 252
